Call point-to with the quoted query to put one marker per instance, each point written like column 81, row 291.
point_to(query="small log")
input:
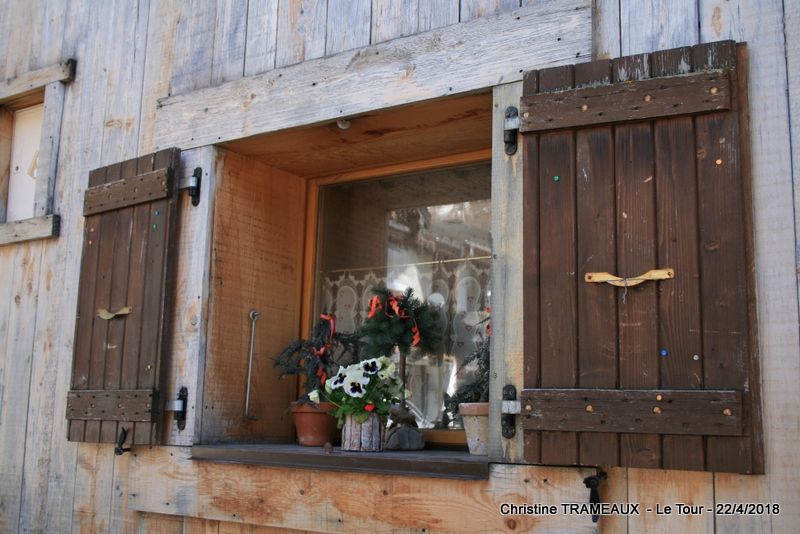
column 365, row 437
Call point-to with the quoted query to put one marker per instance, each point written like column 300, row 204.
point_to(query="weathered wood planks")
column 397, row 72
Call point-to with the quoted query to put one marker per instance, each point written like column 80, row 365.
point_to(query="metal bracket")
column 179, row 407
column 510, row 130
column 192, row 183
column 511, row 407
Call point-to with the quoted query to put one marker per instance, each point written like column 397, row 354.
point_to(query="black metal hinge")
column 510, row 409
column 178, row 407
column 510, row 130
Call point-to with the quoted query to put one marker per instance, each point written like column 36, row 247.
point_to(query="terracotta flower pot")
column 314, row 425
column 475, row 416
column 366, row 436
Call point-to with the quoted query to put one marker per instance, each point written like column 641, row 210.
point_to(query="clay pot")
column 475, row 416
column 366, row 437
column 314, row 425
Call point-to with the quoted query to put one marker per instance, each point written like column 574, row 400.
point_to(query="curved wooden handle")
column 653, row 274
column 107, row 315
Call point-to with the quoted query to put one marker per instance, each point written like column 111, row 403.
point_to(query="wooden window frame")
column 312, row 243
column 43, row 86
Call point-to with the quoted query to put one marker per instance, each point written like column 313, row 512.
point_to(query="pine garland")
column 401, row 321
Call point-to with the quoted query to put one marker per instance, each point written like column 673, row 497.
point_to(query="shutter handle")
column 254, row 315
column 593, row 483
column 653, row 274
column 107, row 315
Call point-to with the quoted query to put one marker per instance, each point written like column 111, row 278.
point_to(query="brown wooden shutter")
column 130, row 210
column 635, row 164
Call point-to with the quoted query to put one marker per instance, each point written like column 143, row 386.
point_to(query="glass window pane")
column 430, row 231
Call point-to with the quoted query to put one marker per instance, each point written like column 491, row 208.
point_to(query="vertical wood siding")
column 131, row 53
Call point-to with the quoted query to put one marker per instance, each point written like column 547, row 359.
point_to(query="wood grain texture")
column 6, row 132
column 35, row 80
column 30, row 229
column 301, row 27
column 256, row 263
column 49, row 144
column 653, row 25
column 507, row 274
column 393, row 18
column 193, row 54
column 437, row 14
column 164, row 480
column 390, row 74
column 230, row 41
column 651, row 486
column 348, row 25
column 262, row 34
column 472, row 9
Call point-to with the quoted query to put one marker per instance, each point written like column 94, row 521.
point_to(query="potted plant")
column 471, row 401
column 363, row 394
column 314, row 360
column 401, row 323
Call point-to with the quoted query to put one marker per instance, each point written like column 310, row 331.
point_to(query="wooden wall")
column 130, row 53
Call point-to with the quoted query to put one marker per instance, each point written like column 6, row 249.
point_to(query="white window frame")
column 48, row 86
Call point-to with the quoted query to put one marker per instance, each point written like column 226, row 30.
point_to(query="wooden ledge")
column 29, row 229
column 431, row 463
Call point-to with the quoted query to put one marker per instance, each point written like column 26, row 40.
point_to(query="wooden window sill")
column 429, row 463
column 29, row 229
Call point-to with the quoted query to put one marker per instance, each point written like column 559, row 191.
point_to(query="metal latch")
column 593, row 483
column 120, row 448
column 510, row 408
column 178, row 406
column 510, row 130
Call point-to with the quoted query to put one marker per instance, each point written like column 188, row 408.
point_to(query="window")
column 25, row 134
column 430, row 231
column 31, row 106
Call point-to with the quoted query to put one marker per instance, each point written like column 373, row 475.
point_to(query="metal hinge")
column 178, row 406
column 510, row 130
column 510, row 408
column 192, row 183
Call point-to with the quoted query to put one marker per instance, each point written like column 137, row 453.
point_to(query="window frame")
column 313, row 243
column 43, row 86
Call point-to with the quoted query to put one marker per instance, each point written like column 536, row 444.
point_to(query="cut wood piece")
column 36, row 80
column 128, row 192
column 117, row 405
column 628, row 101
column 28, row 229
column 700, row 412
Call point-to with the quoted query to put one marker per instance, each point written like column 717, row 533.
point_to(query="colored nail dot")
column 556, row 178
column 158, row 212
column 155, row 226
column 664, row 352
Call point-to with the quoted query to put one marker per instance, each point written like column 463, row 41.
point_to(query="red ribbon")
column 393, row 305
column 319, row 353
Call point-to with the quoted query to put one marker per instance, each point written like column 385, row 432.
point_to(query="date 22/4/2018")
column 720, row 508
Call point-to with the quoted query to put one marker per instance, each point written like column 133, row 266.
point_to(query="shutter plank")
column 679, row 300
column 129, row 378
column 530, row 214
column 636, row 253
column 638, row 308
column 162, row 223
column 723, row 275
column 109, row 429
column 597, row 306
column 86, row 310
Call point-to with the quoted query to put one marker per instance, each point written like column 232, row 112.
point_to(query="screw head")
column 659, row 398
column 589, row 408
column 727, row 412
column 647, row 98
column 528, row 407
column 656, row 410
column 713, row 90
column 718, row 162
column 584, row 107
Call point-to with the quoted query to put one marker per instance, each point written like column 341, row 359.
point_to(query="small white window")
column 26, row 133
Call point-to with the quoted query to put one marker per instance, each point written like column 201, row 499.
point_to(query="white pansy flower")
column 314, row 396
column 355, row 388
column 372, row 366
column 337, row 380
